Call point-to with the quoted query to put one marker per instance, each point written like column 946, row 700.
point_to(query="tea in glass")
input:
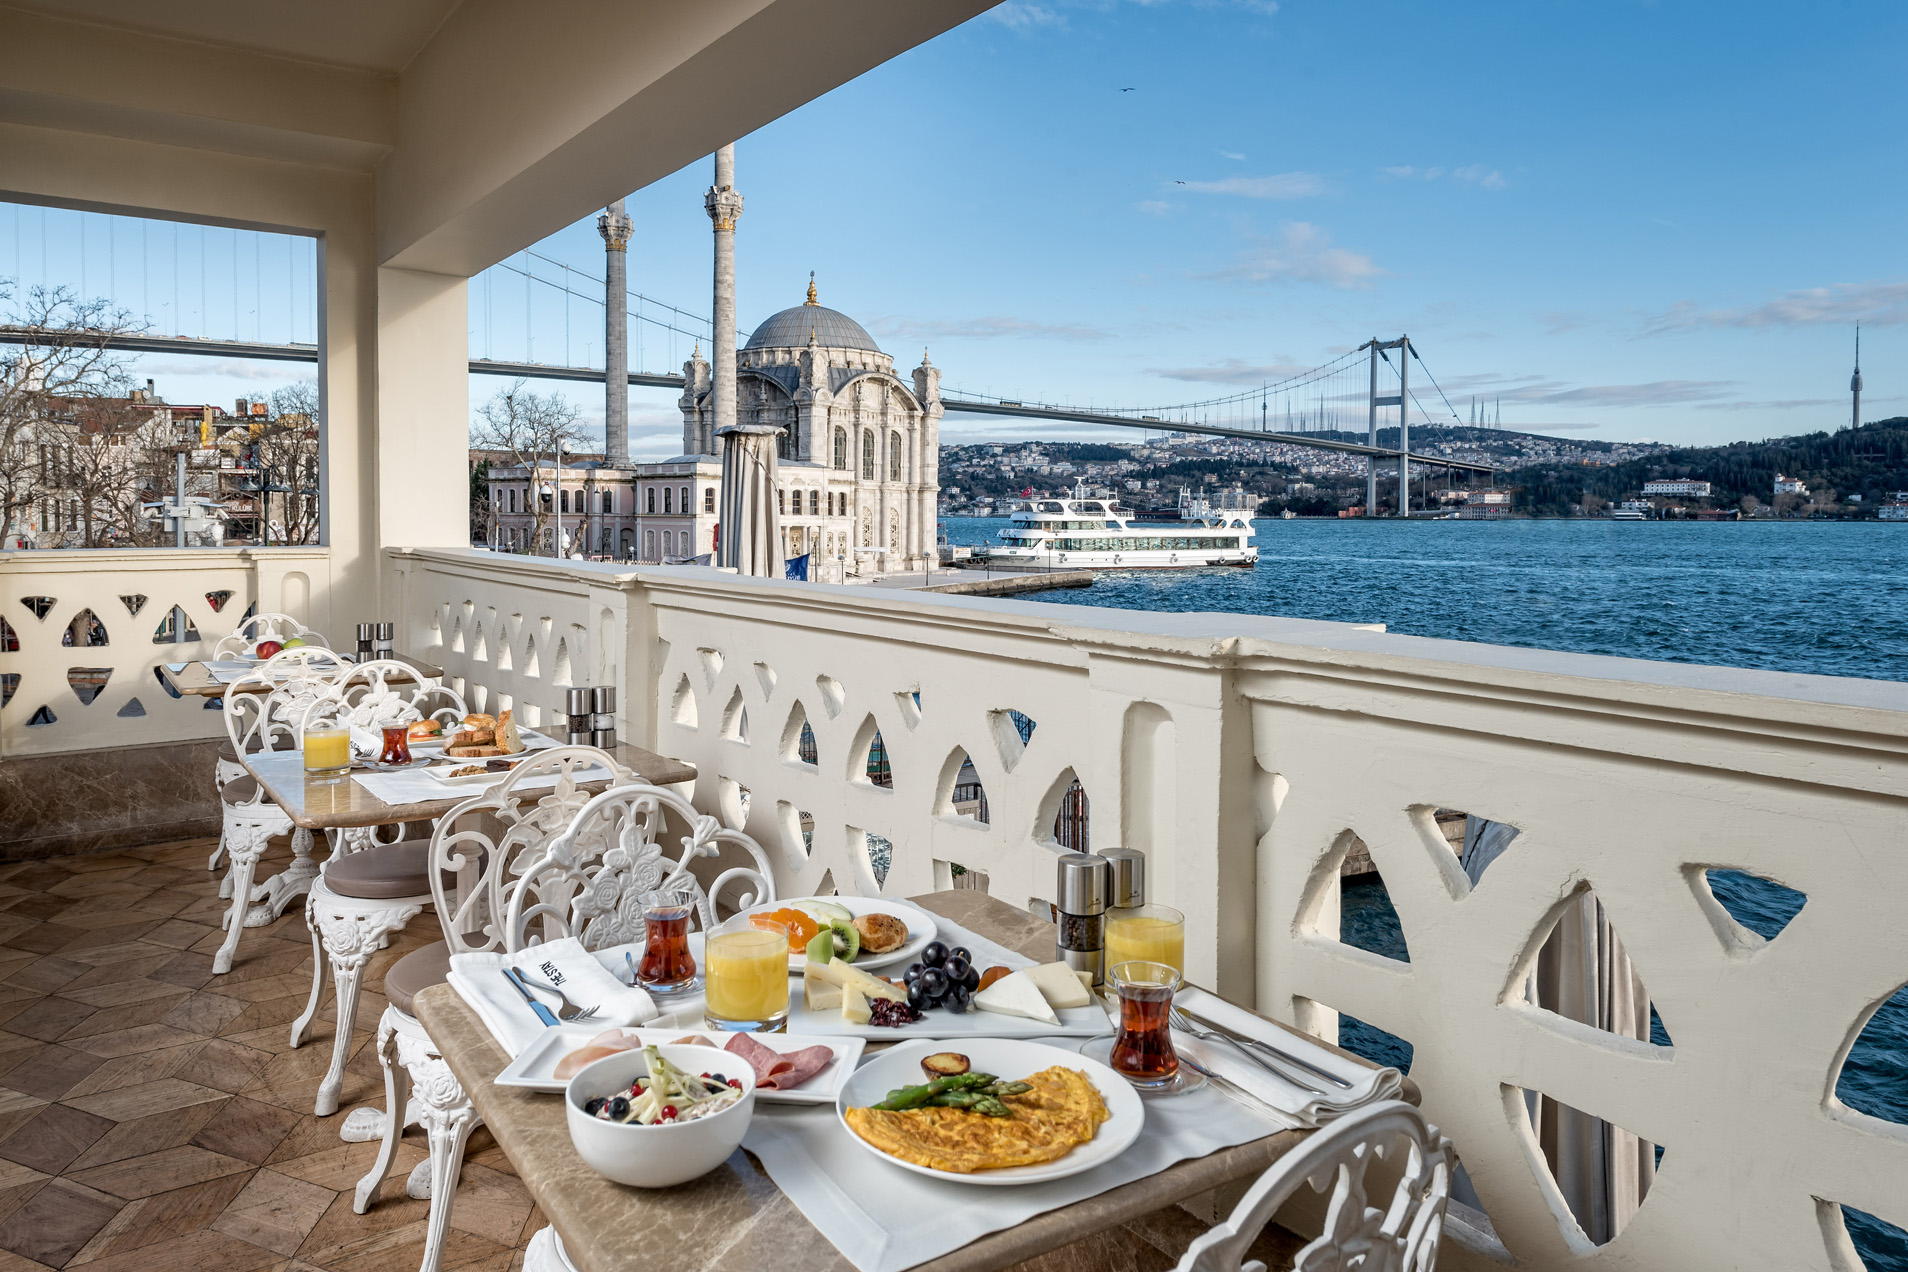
column 667, row 966
column 397, row 744
column 745, row 974
column 1143, row 1048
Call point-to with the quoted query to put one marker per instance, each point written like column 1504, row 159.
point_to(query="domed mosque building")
column 858, row 470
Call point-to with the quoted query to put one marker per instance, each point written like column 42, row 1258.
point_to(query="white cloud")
column 1232, row 371
column 1534, row 390
column 1489, row 178
column 1406, row 172
column 1227, row 154
column 983, row 328
column 1026, row 15
column 1283, row 185
column 1303, row 253
column 1154, row 207
column 1877, row 304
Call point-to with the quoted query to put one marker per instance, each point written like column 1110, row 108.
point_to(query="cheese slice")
column 854, row 1006
column 1086, row 981
column 1016, row 994
column 1059, row 985
column 847, row 976
column 819, row 995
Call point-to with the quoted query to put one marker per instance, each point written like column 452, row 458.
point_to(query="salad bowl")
column 667, row 1153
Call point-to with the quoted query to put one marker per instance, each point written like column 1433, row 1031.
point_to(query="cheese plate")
column 1075, row 1022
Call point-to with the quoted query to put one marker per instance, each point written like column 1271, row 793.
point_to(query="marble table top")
column 735, row 1219
column 320, row 803
column 195, row 679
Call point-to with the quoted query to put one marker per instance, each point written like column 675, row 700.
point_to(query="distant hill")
column 1865, row 461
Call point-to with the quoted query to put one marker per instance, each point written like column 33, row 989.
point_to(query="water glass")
column 667, row 967
column 1143, row 1048
column 745, row 974
column 1148, row 934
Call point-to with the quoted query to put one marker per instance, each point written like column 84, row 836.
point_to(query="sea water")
column 1825, row 598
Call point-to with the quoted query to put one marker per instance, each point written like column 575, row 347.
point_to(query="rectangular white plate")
column 532, row 741
column 1075, row 1022
column 534, row 1066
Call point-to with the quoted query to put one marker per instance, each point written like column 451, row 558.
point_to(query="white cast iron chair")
column 587, row 880
column 246, row 637
column 369, row 887
column 230, row 764
column 264, row 711
column 1402, row 1237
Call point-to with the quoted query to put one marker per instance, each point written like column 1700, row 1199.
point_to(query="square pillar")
column 423, row 402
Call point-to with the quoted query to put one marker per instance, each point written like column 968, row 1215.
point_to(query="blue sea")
column 1827, row 598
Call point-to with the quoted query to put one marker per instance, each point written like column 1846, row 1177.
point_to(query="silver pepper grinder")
column 576, row 707
column 365, row 633
column 1128, row 891
column 1083, row 888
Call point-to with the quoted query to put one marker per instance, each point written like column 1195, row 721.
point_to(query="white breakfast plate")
column 532, row 741
column 1089, row 1021
column 1006, row 1058
column 921, row 928
column 535, row 1066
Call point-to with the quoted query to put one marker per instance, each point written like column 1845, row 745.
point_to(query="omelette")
column 1061, row 1111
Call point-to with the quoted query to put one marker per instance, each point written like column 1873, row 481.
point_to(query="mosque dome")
column 833, row 329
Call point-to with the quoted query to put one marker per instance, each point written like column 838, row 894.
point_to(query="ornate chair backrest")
column 530, row 812
column 1402, row 1237
column 263, row 627
column 589, row 881
column 270, row 702
column 386, row 691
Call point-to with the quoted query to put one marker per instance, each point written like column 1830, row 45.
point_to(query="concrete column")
column 616, row 227
column 723, row 205
column 423, row 410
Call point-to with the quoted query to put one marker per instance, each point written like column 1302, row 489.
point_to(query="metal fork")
column 1180, row 1020
column 569, row 1011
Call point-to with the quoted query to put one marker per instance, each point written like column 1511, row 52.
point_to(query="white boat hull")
column 998, row 559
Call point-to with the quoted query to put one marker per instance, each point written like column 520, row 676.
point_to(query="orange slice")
column 801, row 928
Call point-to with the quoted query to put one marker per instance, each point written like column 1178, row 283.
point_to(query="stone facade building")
column 859, row 456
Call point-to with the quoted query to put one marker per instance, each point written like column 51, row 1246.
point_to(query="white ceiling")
column 377, row 35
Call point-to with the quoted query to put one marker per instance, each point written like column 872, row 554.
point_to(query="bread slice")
column 507, row 736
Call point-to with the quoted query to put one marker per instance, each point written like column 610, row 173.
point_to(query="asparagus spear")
column 914, row 1097
column 976, row 1101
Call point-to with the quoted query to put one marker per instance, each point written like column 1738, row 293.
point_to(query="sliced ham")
column 779, row 1070
column 607, row 1043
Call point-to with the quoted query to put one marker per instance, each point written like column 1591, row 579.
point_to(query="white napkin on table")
column 1306, row 1107
column 588, row 977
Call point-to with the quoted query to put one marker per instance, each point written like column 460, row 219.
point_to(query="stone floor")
column 154, row 1119
column 152, row 1116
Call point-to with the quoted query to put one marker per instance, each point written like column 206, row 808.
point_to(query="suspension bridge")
column 1327, row 407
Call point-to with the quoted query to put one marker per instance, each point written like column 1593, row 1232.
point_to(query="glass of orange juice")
column 327, row 745
column 1146, row 934
column 745, row 976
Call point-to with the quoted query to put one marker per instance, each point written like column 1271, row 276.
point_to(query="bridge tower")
column 1855, row 383
column 1376, row 347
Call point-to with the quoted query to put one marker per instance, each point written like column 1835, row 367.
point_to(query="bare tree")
column 286, row 451
column 64, row 360
column 530, row 428
column 115, row 457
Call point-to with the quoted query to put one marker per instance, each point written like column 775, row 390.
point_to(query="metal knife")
column 543, row 1013
column 1261, row 1045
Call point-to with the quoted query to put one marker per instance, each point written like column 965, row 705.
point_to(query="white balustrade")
column 1245, row 756
column 85, row 632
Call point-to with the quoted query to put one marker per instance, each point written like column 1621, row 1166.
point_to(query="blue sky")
column 1625, row 220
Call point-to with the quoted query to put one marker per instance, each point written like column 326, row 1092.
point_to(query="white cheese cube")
column 819, row 995
column 1016, row 994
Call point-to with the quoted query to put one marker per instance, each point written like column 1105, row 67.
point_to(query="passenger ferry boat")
column 1078, row 533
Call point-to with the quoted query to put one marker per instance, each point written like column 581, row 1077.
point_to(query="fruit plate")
column 1007, row 1058
column 1089, row 1021
column 535, row 1066
column 921, row 928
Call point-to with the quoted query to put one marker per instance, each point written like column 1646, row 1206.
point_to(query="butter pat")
column 1016, row 994
column 1059, row 985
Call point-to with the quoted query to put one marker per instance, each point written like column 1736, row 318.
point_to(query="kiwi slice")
column 822, row 947
column 847, row 940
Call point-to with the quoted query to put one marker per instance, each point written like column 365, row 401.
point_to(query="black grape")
column 934, row 955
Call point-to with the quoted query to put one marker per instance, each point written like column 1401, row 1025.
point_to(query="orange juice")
column 327, row 750
column 1149, row 934
column 745, row 977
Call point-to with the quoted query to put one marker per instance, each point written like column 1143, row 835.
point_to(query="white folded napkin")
column 588, row 977
column 1309, row 1108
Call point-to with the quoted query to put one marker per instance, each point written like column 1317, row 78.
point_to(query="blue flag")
column 796, row 568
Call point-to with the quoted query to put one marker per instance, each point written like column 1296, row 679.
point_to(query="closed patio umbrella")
column 751, row 535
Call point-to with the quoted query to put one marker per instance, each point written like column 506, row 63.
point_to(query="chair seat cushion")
column 415, row 973
column 240, row 790
column 382, row 873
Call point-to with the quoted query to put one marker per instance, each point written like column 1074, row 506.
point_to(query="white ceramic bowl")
column 663, row 1155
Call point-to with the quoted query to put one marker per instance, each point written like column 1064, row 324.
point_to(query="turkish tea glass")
column 1143, row 1048
column 667, row 967
column 745, row 976
column 397, row 744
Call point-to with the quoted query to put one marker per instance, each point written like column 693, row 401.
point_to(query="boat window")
column 1051, row 507
column 1112, row 525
